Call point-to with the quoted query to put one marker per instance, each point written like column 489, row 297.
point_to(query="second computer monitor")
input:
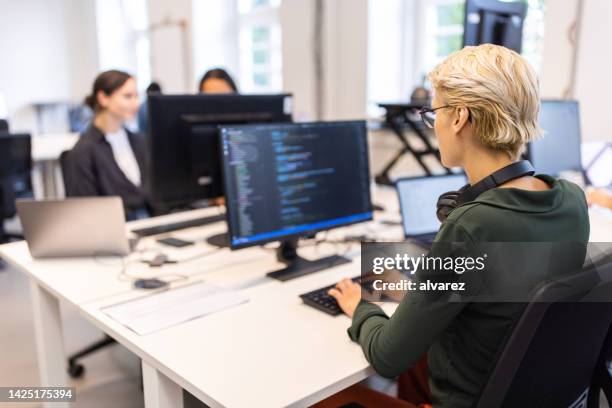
column 558, row 149
column 287, row 180
column 494, row 22
column 183, row 141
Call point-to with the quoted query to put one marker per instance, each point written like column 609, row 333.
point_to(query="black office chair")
column 75, row 369
column 4, row 126
column 603, row 378
column 556, row 353
column 15, row 176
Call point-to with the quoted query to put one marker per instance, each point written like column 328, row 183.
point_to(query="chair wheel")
column 76, row 370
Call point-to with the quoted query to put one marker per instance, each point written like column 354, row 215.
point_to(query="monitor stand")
column 219, row 240
column 298, row 266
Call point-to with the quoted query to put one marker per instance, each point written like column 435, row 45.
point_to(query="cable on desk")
column 125, row 277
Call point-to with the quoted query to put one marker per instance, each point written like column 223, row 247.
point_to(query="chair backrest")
column 4, row 125
column 550, row 357
column 63, row 161
column 15, row 171
column 602, row 379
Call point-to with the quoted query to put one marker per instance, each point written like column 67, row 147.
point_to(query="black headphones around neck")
column 447, row 202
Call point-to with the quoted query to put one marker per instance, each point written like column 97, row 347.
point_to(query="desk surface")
column 273, row 349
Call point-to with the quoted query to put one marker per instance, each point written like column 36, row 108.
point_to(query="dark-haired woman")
column 217, row 81
column 108, row 159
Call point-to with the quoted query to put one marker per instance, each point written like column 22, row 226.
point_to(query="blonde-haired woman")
column 484, row 111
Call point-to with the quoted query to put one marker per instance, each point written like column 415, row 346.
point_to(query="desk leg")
column 58, row 180
column 49, row 179
column 38, row 181
column 159, row 390
column 49, row 340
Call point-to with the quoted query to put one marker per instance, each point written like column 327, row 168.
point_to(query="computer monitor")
column 183, row 143
column 15, row 171
column 283, row 181
column 494, row 22
column 558, row 149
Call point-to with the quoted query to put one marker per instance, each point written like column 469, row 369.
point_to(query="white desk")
column 272, row 351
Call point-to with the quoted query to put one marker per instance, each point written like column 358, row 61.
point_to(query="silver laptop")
column 418, row 197
column 88, row 226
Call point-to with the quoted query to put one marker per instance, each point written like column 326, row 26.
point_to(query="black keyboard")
column 319, row 299
column 163, row 228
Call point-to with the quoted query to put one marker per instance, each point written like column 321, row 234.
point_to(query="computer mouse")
column 378, row 207
column 152, row 283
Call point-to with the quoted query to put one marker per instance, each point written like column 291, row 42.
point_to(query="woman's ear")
column 460, row 119
column 102, row 99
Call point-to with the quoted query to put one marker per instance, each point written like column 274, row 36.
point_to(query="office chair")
column 4, row 126
column 7, row 210
column 75, row 369
column 556, row 356
column 557, row 351
column 15, row 176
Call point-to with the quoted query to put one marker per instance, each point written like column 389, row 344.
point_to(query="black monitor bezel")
column 230, row 222
column 162, row 201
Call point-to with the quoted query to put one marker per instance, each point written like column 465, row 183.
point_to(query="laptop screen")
column 418, row 198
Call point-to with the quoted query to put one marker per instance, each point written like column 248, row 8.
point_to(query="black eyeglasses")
column 428, row 115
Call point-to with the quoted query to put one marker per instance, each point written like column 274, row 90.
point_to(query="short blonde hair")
column 500, row 90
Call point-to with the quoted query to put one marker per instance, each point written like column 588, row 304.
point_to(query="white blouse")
column 124, row 155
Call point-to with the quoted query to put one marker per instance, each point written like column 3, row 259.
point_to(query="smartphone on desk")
column 174, row 242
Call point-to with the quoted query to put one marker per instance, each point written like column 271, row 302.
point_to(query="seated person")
column 143, row 112
column 217, row 81
column 484, row 111
column 108, row 159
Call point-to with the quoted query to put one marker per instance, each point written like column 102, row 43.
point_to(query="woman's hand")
column 600, row 196
column 348, row 295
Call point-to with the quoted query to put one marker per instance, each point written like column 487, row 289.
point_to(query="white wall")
column 557, row 50
column 593, row 83
column 345, row 57
column 297, row 25
column 48, row 54
column 592, row 61
column 81, row 45
column 171, row 47
column 346, row 35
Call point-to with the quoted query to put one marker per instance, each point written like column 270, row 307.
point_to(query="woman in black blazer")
column 108, row 159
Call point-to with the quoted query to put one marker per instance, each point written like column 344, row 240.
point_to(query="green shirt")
column 462, row 338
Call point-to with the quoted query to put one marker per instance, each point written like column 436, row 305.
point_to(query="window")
column 407, row 38
column 123, row 40
column 533, row 33
column 259, row 45
column 443, row 31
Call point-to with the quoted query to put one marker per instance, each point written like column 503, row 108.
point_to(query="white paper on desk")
column 171, row 307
